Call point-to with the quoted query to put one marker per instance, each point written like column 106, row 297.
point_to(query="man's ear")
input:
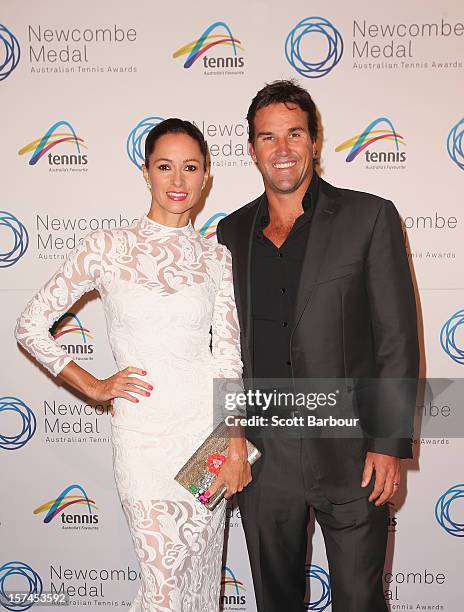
column 251, row 150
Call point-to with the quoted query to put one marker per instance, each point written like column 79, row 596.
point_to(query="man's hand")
column 387, row 476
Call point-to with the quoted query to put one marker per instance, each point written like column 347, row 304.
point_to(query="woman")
column 163, row 288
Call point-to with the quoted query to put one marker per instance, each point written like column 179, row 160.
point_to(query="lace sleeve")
column 80, row 272
column 225, row 327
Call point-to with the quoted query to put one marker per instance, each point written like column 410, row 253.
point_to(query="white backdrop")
column 80, row 85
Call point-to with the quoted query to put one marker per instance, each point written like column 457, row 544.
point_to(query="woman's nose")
column 178, row 178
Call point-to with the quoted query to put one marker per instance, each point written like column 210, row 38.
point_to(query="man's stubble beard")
column 291, row 189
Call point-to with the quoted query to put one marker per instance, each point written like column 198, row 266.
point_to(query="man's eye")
column 296, row 134
column 267, row 137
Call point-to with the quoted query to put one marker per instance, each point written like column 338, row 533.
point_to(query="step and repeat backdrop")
column 81, row 84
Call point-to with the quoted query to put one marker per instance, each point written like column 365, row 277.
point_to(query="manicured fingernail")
column 207, row 494
column 148, row 394
column 150, row 387
column 137, row 401
column 143, row 372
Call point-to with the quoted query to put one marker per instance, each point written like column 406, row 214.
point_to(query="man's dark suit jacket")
column 354, row 319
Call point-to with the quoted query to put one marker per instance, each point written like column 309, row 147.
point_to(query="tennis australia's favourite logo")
column 73, row 337
column 449, row 506
column 17, row 423
column 73, row 509
column 135, row 144
column 10, row 52
column 379, row 144
column 20, row 577
column 233, row 597
column 14, row 239
column 314, row 47
column 320, row 594
column 216, row 49
column 61, row 147
column 455, row 144
column 208, row 229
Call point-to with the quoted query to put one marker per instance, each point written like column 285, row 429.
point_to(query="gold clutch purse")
column 198, row 474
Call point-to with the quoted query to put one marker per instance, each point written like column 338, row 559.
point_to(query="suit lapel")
column 319, row 236
column 242, row 268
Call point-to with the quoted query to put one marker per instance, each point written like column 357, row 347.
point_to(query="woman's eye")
column 163, row 167
column 191, row 168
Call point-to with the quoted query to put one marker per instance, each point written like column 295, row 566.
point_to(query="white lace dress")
column 162, row 289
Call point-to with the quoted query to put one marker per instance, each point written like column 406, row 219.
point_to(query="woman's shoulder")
column 104, row 237
column 215, row 249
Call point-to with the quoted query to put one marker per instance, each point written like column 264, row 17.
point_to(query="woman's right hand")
column 121, row 384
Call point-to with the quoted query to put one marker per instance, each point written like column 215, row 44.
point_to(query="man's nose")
column 282, row 147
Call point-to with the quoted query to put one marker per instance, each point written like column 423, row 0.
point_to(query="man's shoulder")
column 238, row 215
column 352, row 196
column 354, row 202
column 243, row 210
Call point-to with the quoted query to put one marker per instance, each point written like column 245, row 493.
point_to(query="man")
column 323, row 290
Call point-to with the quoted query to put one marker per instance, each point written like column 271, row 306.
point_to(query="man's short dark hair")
column 286, row 92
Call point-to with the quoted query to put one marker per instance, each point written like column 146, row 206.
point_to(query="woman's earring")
column 149, row 186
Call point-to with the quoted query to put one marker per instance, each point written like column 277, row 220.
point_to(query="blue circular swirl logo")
column 28, row 423
column 9, row 57
column 314, row 26
column 136, row 139
column 319, row 573
column 455, row 144
column 448, row 340
column 442, row 511
column 33, row 584
column 14, row 252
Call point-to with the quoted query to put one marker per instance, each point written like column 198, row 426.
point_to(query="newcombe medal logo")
column 23, row 417
column 455, row 144
column 14, row 241
column 19, row 576
column 314, row 47
column 136, row 140
column 9, row 52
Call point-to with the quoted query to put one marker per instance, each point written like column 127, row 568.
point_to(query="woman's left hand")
column 235, row 472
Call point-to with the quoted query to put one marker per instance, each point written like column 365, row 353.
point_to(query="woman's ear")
column 144, row 171
column 205, row 178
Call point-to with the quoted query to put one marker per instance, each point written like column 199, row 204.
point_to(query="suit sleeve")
column 219, row 236
column 390, row 401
